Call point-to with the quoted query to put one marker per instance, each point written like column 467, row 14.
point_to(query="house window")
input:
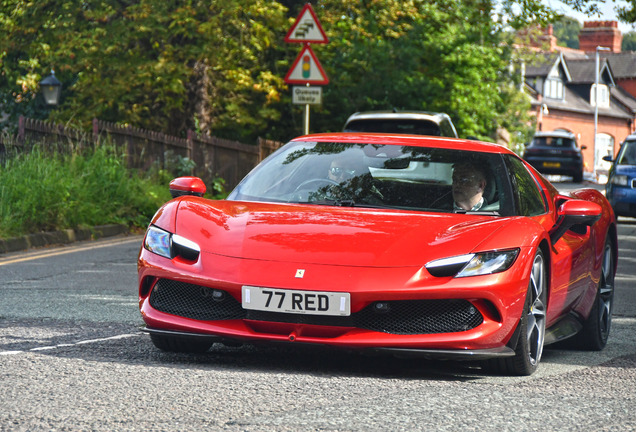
column 554, row 89
column 603, row 96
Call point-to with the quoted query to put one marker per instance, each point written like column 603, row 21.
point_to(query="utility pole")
column 596, row 70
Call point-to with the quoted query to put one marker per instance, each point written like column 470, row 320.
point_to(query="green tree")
column 629, row 41
column 627, row 12
column 566, row 30
column 448, row 56
column 218, row 66
column 164, row 66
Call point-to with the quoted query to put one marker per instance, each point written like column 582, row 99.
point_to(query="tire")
column 596, row 328
column 180, row 345
column 532, row 327
column 577, row 177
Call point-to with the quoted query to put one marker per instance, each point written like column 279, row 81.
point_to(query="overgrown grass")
column 45, row 191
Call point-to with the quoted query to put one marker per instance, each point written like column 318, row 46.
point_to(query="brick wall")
column 600, row 33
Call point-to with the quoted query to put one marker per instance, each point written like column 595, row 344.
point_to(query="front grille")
column 194, row 301
column 634, row 183
column 396, row 317
column 420, row 317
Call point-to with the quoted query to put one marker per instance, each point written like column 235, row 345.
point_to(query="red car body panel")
column 375, row 255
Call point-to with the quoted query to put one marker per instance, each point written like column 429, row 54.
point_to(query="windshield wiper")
column 477, row 212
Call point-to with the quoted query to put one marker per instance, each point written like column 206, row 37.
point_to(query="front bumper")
column 498, row 298
column 622, row 200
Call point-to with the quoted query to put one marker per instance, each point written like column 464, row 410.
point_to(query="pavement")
column 16, row 244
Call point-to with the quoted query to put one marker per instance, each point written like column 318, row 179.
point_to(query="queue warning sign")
column 307, row 95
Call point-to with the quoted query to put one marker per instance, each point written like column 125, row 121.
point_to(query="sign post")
column 306, row 69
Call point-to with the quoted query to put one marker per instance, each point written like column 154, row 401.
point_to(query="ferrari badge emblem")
column 300, row 273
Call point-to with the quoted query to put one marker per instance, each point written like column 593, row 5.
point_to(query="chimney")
column 600, row 33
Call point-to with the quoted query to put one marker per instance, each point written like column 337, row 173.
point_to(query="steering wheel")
column 297, row 196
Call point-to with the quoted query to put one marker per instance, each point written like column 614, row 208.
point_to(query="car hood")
column 329, row 235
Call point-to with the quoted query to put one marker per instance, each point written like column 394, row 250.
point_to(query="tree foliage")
column 447, row 56
column 151, row 64
column 218, row 66
column 629, row 41
column 566, row 30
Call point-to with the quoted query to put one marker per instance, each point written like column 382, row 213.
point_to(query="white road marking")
column 93, row 271
column 89, row 341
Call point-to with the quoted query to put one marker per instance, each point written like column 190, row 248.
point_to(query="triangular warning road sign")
column 306, row 69
column 307, row 28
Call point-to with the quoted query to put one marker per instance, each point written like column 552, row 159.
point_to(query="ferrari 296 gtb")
column 399, row 244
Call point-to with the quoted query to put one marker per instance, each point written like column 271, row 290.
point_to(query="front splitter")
column 430, row 354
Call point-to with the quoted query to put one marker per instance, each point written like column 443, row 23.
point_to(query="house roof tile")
column 623, row 64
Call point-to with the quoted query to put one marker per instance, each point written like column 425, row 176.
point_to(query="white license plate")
column 296, row 301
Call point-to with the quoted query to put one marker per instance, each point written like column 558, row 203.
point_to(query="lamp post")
column 596, row 72
column 51, row 89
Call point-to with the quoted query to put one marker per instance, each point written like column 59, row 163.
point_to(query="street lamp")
column 596, row 71
column 51, row 89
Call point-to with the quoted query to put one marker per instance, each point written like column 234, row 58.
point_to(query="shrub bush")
column 42, row 191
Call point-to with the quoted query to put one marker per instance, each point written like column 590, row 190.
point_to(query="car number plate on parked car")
column 552, row 164
column 295, row 301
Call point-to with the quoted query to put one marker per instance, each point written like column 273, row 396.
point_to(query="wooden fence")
column 212, row 157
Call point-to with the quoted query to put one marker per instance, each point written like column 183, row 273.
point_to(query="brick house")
column 562, row 90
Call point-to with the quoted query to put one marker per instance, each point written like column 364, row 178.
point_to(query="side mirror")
column 608, row 158
column 526, row 144
column 187, row 186
column 583, row 147
column 574, row 212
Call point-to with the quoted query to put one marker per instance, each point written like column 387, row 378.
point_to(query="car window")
column 447, row 128
column 385, row 176
column 401, row 126
column 526, row 191
column 556, row 142
column 627, row 154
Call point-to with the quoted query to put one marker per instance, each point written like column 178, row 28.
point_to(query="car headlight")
column 170, row 245
column 473, row 264
column 620, row 180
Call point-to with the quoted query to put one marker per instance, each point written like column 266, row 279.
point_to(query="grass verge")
column 42, row 190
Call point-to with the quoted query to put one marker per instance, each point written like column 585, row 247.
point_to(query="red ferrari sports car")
column 399, row 244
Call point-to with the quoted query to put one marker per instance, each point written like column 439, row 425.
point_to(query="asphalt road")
column 71, row 358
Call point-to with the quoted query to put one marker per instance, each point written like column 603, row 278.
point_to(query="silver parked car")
column 403, row 122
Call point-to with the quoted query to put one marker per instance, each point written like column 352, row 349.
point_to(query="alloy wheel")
column 606, row 291
column 536, row 313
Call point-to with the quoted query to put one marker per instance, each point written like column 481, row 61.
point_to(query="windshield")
column 628, row 153
column 380, row 176
column 557, row 142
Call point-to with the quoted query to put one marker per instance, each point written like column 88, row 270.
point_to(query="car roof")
column 631, row 137
column 406, row 140
column 558, row 134
column 401, row 115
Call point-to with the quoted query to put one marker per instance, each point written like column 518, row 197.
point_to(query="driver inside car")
column 469, row 183
column 340, row 170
